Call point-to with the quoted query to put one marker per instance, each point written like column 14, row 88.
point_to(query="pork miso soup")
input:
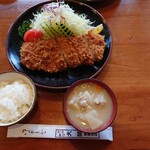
column 89, row 106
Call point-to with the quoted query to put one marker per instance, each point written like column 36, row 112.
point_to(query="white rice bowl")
column 17, row 97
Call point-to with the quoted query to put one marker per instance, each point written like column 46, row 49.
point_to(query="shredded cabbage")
column 59, row 19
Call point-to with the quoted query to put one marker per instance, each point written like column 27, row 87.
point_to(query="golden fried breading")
column 55, row 55
column 85, row 56
column 96, row 44
column 42, row 55
column 69, row 52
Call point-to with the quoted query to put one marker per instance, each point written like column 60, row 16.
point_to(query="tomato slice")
column 32, row 35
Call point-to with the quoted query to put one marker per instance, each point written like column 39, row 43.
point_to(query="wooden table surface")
column 127, row 73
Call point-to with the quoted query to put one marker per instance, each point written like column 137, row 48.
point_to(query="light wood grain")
column 127, row 73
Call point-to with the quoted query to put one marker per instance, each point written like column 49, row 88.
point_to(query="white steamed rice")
column 15, row 100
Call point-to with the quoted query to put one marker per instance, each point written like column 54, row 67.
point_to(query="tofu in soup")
column 89, row 106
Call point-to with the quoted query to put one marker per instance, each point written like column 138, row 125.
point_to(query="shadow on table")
column 90, row 144
column 102, row 3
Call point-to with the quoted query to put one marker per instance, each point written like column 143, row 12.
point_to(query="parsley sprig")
column 24, row 27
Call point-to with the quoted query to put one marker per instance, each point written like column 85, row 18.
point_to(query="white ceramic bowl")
column 84, row 112
column 15, row 76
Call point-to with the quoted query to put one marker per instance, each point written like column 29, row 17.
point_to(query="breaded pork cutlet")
column 42, row 55
column 55, row 55
column 96, row 44
column 69, row 52
column 85, row 55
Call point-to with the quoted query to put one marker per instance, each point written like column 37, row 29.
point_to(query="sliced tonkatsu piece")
column 69, row 52
column 84, row 54
column 42, row 55
column 96, row 44
column 54, row 57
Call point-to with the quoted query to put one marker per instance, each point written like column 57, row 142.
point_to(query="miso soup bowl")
column 76, row 112
column 11, row 77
